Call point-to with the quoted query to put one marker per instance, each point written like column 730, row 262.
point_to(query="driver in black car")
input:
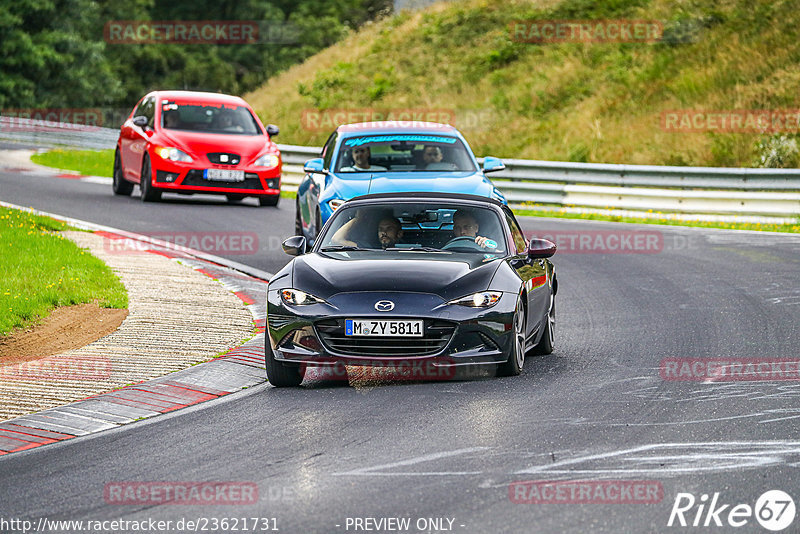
column 466, row 225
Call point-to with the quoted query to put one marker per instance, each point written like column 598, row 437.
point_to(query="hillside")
column 574, row 101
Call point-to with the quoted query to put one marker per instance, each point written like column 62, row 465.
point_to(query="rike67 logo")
column 774, row 510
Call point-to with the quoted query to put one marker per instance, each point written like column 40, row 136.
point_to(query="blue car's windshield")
column 423, row 227
column 403, row 152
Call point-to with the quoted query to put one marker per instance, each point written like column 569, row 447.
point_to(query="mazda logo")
column 384, row 305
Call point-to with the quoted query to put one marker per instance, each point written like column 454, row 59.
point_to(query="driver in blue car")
column 466, row 225
column 361, row 156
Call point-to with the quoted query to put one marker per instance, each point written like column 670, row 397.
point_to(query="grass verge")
column 43, row 270
column 88, row 162
column 665, row 220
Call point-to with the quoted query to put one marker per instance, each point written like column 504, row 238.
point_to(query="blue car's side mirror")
column 314, row 166
column 491, row 164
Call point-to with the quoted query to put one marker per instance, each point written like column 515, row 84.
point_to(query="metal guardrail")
column 701, row 190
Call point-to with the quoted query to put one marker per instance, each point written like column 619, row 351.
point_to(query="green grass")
column 88, row 162
column 664, row 220
column 43, row 270
column 594, row 102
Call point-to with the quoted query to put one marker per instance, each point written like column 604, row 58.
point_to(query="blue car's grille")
column 436, row 336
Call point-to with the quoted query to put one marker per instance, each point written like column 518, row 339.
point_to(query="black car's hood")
column 449, row 276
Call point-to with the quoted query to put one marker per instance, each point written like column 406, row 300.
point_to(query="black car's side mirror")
column 140, row 121
column 273, row 130
column 540, row 248
column 295, row 245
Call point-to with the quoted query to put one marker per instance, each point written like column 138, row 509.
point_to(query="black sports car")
column 426, row 280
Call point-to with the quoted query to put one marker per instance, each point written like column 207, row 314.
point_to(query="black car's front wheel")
column 282, row 375
column 516, row 358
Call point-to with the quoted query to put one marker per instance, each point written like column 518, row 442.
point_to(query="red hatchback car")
column 191, row 142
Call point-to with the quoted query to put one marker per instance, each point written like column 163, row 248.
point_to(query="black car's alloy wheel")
column 516, row 357
column 149, row 193
column 120, row 185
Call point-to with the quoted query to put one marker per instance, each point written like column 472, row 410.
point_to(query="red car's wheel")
column 149, row 193
column 120, row 185
column 269, row 201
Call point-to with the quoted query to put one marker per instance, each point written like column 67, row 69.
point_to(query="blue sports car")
column 388, row 157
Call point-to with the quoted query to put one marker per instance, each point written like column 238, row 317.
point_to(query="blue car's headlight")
column 299, row 298
column 482, row 299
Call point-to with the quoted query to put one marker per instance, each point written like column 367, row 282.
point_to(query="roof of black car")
column 427, row 195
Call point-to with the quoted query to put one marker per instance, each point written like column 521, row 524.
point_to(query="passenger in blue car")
column 361, row 156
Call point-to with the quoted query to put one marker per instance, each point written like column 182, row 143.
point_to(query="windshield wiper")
column 418, row 249
column 337, row 248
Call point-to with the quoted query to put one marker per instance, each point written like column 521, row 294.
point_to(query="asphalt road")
column 596, row 409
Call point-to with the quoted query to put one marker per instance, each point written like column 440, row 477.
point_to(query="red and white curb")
column 238, row 369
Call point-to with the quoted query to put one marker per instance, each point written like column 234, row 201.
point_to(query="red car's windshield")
column 208, row 118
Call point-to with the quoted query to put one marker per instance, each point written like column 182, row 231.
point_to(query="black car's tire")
column 298, row 221
column 120, row 185
column 282, row 375
column 149, row 193
column 235, row 198
column 547, row 343
column 516, row 357
column 269, row 201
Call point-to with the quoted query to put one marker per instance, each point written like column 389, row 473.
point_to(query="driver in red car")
column 466, row 225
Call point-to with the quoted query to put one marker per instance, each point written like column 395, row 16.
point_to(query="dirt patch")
column 69, row 327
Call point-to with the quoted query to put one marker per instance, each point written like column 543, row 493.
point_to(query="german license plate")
column 223, row 175
column 385, row 328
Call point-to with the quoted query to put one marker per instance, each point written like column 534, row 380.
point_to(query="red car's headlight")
column 269, row 161
column 173, row 154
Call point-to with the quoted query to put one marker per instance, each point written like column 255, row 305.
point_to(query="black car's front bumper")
column 454, row 335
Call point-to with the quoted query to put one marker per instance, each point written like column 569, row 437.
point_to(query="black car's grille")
column 435, row 338
column 224, row 158
column 195, row 177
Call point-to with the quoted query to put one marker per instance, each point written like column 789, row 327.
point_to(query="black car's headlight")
column 299, row 298
column 482, row 299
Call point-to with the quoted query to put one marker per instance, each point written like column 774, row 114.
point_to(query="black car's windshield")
column 208, row 118
column 415, row 228
column 403, row 152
